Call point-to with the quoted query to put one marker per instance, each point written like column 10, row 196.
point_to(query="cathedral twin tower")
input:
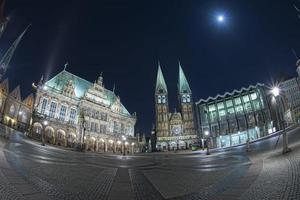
column 178, row 129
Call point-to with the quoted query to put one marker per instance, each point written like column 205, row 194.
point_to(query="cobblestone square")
column 29, row 170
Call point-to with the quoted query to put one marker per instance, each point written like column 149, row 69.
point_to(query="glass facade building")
column 232, row 118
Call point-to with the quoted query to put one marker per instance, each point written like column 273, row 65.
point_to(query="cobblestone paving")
column 142, row 187
column 279, row 178
column 68, row 182
column 30, row 171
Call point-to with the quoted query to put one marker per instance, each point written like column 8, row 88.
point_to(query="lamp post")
column 132, row 147
column 275, row 91
column 124, row 141
column 206, row 133
column 119, row 142
column 45, row 123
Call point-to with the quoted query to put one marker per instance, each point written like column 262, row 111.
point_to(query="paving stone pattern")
column 31, row 171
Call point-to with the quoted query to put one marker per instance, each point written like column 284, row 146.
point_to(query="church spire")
column 4, row 62
column 183, row 85
column 160, row 81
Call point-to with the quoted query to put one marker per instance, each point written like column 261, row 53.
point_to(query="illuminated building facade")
column 291, row 88
column 15, row 112
column 70, row 110
column 232, row 118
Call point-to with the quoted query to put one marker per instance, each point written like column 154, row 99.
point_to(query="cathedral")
column 174, row 130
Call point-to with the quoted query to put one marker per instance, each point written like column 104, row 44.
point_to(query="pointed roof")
column 4, row 62
column 29, row 100
column 160, row 81
column 183, row 85
column 16, row 93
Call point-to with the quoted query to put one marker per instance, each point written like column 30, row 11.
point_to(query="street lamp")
column 275, row 91
column 206, row 133
column 132, row 147
column 119, row 142
column 44, row 129
column 124, row 142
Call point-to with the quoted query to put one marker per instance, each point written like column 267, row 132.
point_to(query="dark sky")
column 125, row 39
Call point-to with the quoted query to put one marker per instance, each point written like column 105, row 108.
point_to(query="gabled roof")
column 160, row 81
column 183, row 85
column 81, row 86
column 234, row 92
column 58, row 82
column 16, row 93
column 29, row 100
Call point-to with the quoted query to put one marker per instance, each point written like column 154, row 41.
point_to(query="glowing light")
column 206, row 133
column 275, row 91
column 132, row 144
column 20, row 113
column 119, row 142
column 220, row 18
column 126, row 143
column 44, row 87
column 45, row 123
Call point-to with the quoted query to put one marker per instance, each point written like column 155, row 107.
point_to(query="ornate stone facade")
column 174, row 130
column 70, row 110
column 15, row 112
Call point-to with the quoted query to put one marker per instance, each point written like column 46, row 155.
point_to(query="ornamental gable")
column 16, row 93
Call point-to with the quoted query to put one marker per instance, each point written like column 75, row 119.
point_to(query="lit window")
column 52, row 109
column 229, row 103
column 220, row 105
column 188, row 98
column 12, row 110
column 183, row 98
column 44, row 104
column 237, row 101
column 163, row 99
column 159, row 99
column 62, row 113
column 253, row 96
column 72, row 115
column 212, row 108
column 246, row 98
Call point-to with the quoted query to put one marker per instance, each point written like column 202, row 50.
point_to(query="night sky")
column 125, row 40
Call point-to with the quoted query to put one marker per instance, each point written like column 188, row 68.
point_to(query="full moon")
column 220, row 18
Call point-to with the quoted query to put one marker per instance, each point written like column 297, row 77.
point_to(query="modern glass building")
column 232, row 118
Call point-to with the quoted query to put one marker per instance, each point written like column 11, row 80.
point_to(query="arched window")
column 24, row 117
column 12, row 110
column 44, row 104
column 184, row 98
column 159, row 99
column 188, row 98
column 163, row 99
